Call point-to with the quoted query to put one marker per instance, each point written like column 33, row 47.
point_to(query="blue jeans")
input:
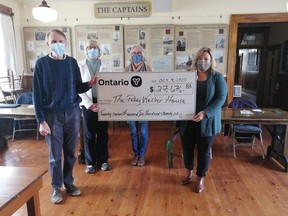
column 139, row 137
column 64, row 128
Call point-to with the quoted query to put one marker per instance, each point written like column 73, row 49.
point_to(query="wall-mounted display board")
column 35, row 44
column 190, row 38
column 110, row 39
column 156, row 40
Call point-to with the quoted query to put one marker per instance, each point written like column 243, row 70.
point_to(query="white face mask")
column 93, row 53
column 203, row 65
column 58, row 49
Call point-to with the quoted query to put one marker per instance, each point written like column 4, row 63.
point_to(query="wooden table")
column 20, row 185
column 23, row 110
column 276, row 118
column 26, row 110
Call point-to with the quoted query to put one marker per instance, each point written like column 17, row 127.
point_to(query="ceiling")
column 48, row 1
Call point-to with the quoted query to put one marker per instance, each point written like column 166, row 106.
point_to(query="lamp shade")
column 44, row 13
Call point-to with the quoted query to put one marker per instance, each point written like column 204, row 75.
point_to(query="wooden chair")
column 4, row 85
column 11, row 86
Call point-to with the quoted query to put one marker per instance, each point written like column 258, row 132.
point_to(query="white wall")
column 71, row 13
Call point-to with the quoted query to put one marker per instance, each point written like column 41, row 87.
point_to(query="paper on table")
column 257, row 110
column 31, row 106
column 246, row 112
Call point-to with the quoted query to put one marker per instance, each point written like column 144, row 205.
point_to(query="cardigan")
column 87, row 99
column 215, row 97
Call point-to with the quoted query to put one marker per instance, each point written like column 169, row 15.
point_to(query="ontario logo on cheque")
column 136, row 81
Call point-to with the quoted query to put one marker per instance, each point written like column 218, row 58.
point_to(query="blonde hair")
column 198, row 54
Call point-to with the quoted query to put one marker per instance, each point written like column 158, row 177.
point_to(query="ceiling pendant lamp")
column 44, row 13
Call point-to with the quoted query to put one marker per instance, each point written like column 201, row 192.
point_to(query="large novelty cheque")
column 146, row 96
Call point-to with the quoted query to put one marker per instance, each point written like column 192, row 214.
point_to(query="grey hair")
column 55, row 31
column 91, row 42
column 138, row 47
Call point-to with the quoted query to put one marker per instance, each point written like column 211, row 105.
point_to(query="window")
column 7, row 42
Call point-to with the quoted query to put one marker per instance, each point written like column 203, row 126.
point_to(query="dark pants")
column 95, row 138
column 190, row 139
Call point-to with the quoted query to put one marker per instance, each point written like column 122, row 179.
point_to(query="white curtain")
column 7, row 46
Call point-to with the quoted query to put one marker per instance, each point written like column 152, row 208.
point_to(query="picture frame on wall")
column 284, row 64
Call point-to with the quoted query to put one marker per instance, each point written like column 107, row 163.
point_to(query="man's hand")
column 44, row 129
column 93, row 81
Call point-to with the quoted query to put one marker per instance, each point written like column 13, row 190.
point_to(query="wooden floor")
column 247, row 185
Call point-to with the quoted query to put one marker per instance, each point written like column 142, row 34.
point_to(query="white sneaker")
column 56, row 196
column 105, row 166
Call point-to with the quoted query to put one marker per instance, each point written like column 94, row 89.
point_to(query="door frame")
column 235, row 20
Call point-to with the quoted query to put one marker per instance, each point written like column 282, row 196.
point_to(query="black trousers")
column 95, row 138
column 191, row 138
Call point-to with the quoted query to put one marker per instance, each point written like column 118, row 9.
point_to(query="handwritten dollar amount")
column 185, row 88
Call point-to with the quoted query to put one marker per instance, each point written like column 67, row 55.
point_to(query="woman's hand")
column 94, row 107
column 199, row 116
column 44, row 129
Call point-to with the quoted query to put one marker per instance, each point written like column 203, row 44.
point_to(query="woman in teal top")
column 201, row 130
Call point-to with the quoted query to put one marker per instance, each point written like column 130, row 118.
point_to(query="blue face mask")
column 137, row 58
column 93, row 53
column 58, row 49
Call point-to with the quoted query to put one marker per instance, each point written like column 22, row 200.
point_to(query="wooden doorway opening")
column 235, row 20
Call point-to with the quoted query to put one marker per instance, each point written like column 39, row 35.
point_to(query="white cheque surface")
column 149, row 96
